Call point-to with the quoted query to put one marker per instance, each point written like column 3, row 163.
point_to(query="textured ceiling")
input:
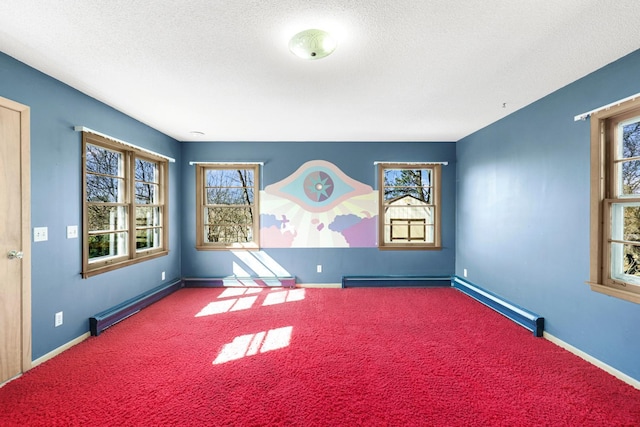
column 421, row 70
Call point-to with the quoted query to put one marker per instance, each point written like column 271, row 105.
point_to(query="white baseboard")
column 600, row 364
column 318, row 285
column 60, row 349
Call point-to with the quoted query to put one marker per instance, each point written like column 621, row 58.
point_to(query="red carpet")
column 317, row 357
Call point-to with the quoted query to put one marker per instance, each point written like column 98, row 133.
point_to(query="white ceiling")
column 404, row 70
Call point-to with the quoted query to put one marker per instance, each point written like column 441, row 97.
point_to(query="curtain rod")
column 412, row 163
column 226, row 163
column 128, row 144
column 586, row 115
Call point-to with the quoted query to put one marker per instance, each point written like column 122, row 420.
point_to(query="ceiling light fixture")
column 312, row 44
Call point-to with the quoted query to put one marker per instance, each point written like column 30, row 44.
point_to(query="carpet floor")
column 317, row 357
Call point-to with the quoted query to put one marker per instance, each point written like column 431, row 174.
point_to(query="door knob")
column 15, row 254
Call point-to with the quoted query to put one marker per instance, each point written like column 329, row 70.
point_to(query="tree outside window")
column 227, row 207
column 124, row 205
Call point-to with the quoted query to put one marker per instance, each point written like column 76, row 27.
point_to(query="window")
column 615, row 201
column 227, row 212
column 409, row 206
column 124, row 205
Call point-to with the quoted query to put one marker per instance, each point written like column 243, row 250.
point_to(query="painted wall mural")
column 318, row 206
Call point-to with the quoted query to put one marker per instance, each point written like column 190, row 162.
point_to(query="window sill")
column 110, row 267
column 409, row 248
column 615, row 292
column 214, row 247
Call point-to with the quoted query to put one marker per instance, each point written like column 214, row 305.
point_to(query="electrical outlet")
column 319, row 268
column 72, row 232
column 58, row 320
column 163, row 275
column 464, row 272
column 40, row 234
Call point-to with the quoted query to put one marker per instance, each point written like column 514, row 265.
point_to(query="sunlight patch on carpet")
column 236, row 299
column 252, row 344
column 218, row 307
column 237, row 292
column 281, row 297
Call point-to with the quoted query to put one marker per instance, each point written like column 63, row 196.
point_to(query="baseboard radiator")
column 395, row 281
column 248, row 282
column 115, row 314
column 523, row 317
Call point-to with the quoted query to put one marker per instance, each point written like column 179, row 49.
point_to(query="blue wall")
column 518, row 220
column 354, row 159
column 523, row 216
column 56, row 202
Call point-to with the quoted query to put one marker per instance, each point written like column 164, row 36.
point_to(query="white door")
column 15, row 238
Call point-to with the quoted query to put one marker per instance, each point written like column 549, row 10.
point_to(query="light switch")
column 72, row 232
column 40, row 234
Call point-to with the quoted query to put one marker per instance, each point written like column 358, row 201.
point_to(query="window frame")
column 436, row 188
column 201, row 170
column 132, row 256
column 604, row 182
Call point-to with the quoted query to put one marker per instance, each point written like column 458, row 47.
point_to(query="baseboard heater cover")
column 395, row 281
column 249, row 282
column 117, row 313
column 523, row 317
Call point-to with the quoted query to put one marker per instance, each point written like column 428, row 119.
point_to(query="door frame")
column 25, row 226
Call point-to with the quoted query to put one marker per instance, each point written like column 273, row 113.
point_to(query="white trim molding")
column 119, row 141
column 377, row 162
column 596, row 362
column 585, row 116
column 225, row 163
column 53, row 353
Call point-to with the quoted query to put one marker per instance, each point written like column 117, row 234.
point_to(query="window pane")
column 629, row 178
column 148, row 239
column 146, row 171
column 407, row 177
column 229, row 178
column 147, row 216
column 228, row 199
column 223, row 215
column 625, row 262
column 229, row 196
column 104, row 161
column 407, row 195
column 625, row 221
column 147, row 193
column 631, row 230
column 107, row 245
column 401, row 231
column 407, row 186
column 409, row 224
column 104, row 189
column 631, row 138
column 409, row 212
column 107, row 218
column 230, row 233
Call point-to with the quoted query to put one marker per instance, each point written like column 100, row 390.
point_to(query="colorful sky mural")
column 318, row 206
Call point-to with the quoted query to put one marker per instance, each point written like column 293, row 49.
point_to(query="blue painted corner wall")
column 56, row 202
column 523, row 216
